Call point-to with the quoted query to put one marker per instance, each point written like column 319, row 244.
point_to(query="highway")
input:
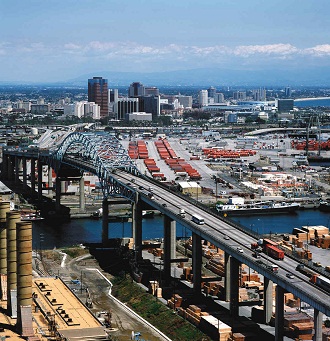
column 215, row 230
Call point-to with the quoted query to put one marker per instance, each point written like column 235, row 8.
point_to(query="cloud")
column 319, row 50
column 128, row 55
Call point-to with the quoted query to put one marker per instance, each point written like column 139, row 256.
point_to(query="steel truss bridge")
column 103, row 155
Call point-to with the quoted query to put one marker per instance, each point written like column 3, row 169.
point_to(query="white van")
column 182, row 213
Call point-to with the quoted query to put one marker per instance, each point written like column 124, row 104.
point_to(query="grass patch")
column 74, row 252
column 155, row 312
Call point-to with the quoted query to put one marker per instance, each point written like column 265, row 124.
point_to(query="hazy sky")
column 53, row 40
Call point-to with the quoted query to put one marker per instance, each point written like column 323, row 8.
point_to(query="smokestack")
column 4, row 208
column 13, row 217
column 24, row 268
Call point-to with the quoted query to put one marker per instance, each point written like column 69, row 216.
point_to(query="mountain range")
column 319, row 76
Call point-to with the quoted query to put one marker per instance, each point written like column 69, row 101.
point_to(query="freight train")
column 317, row 279
column 269, row 247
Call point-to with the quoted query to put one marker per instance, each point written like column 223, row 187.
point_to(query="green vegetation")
column 155, row 312
column 74, row 252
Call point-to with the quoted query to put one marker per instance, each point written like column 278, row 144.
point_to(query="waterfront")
column 312, row 102
column 80, row 231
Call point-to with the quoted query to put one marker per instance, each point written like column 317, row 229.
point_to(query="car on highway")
column 226, row 237
column 240, row 250
column 141, row 187
column 164, row 204
column 289, row 275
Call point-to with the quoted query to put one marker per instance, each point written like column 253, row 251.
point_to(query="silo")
column 24, row 267
column 4, row 208
column 13, row 217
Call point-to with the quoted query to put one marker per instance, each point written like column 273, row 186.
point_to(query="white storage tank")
column 34, row 131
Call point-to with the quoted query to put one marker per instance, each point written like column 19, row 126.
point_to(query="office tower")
column 219, row 97
column 284, row 104
column 287, row 91
column 203, row 98
column 98, row 93
column 151, row 90
column 113, row 95
column 126, row 106
column 136, row 89
column 185, row 101
column 150, row 104
column 211, row 91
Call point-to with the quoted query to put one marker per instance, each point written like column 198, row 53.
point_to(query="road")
column 215, row 229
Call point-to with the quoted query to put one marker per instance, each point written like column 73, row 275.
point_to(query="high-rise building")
column 126, row 106
column 98, row 93
column 219, row 97
column 287, row 91
column 136, row 89
column 211, row 91
column 150, row 104
column 259, row 95
column 284, row 104
column 203, row 98
column 151, row 90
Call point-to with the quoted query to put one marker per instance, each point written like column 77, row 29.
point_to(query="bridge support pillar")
column 33, row 175
column 169, row 246
column 279, row 314
column 234, row 286
column 40, row 180
column 105, row 221
column 58, row 194
column 17, row 168
column 82, row 194
column 137, row 228
column 50, row 181
column 318, row 321
column 24, row 173
column 268, row 299
column 227, row 277
column 197, row 262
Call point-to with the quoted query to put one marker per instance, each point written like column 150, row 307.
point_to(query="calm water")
column 86, row 230
column 312, row 103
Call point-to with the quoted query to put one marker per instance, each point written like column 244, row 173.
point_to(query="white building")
column 83, row 109
column 203, row 98
column 138, row 116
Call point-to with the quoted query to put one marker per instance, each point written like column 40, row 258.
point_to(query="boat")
column 261, row 207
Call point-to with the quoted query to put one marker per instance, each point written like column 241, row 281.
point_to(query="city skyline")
column 59, row 40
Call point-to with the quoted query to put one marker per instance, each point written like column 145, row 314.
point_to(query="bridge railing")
column 253, row 234
column 209, row 210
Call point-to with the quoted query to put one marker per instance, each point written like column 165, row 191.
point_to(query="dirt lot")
column 81, row 272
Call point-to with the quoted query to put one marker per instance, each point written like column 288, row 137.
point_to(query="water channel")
column 79, row 231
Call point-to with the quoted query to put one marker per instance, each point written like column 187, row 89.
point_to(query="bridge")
column 103, row 155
